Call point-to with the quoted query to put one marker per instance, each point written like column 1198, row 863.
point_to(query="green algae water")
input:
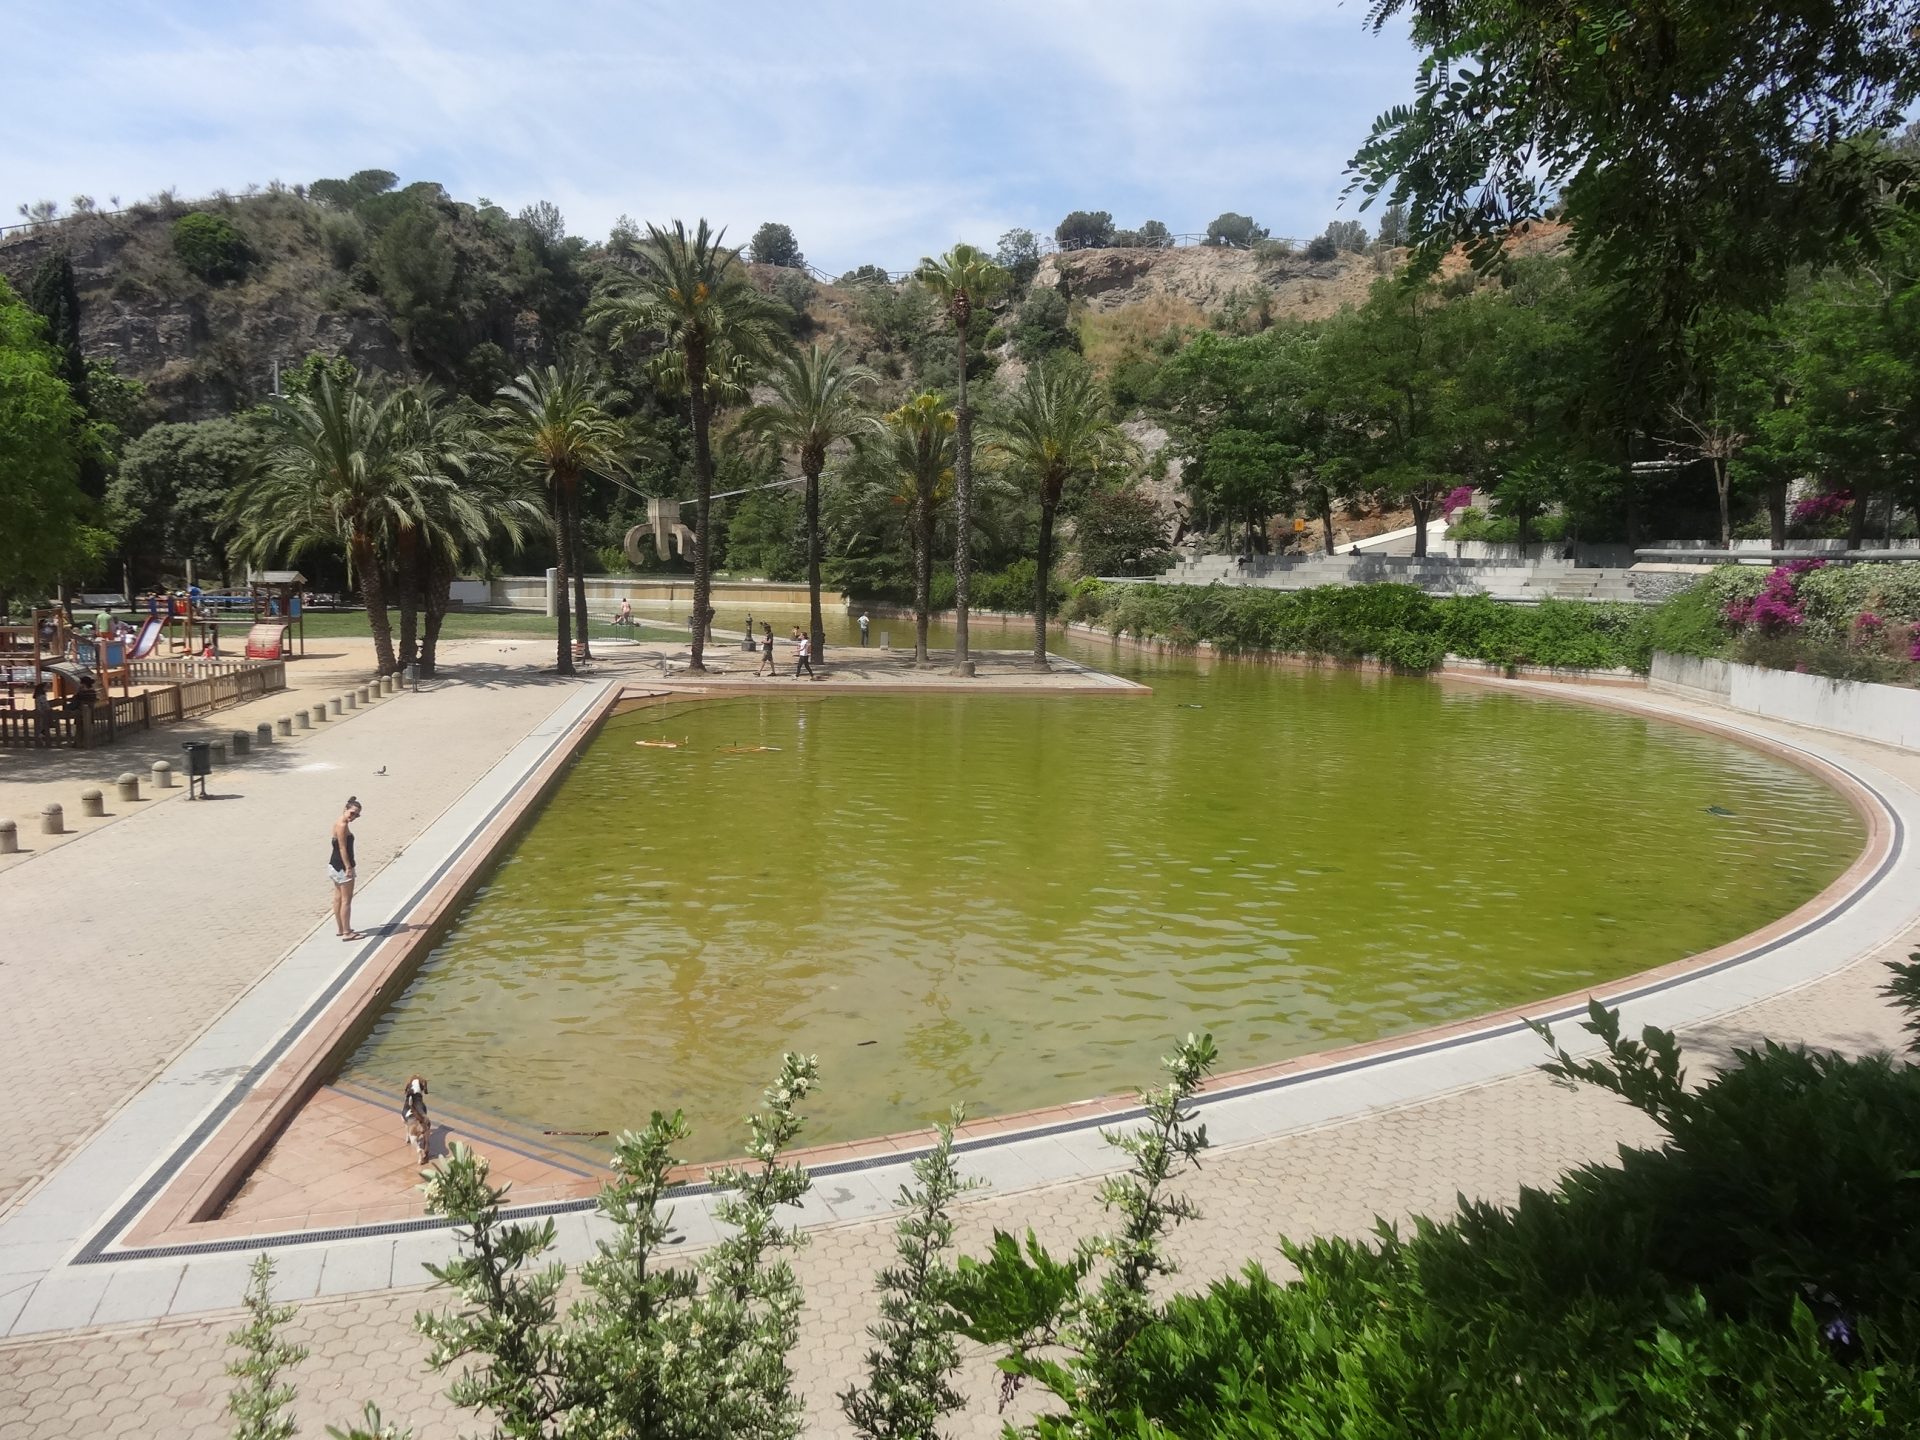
column 1015, row 902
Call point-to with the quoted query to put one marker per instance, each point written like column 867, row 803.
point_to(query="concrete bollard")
column 333, row 705
column 92, row 806
column 303, row 720
column 242, row 744
column 162, row 775
column 284, row 725
column 349, row 701
column 52, row 819
column 217, row 749
column 401, row 680
column 363, row 694
column 263, row 735
column 9, row 838
column 386, row 684
column 128, row 786
column 319, row 713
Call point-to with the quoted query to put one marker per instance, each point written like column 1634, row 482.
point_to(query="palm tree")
column 553, row 423
column 962, row 278
column 817, row 402
column 920, row 434
column 1057, row 431
column 336, row 470
column 694, row 294
column 487, row 499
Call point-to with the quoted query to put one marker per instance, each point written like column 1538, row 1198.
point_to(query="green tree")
column 1235, row 230
column 172, row 487
column 693, row 293
column 53, row 293
column 1155, row 235
column 962, row 279
column 1393, row 226
column 1057, row 431
column 920, row 443
column 1042, row 326
column 1085, row 230
column 1019, row 255
column 1699, row 151
column 773, row 244
column 1347, row 235
column 552, row 423
column 51, row 529
column 1120, row 530
column 818, row 402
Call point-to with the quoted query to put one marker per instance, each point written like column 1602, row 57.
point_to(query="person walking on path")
column 766, row 651
column 864, row 622
column 802, row 654
column 340, row 870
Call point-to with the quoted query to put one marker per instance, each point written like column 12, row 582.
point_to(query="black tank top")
column 334, row 859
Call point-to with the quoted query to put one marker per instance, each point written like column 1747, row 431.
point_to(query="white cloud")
column 879, row 132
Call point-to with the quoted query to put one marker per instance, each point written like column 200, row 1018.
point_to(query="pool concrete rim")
column 178, row 1217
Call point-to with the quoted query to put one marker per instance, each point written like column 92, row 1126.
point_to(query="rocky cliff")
column 203, row 350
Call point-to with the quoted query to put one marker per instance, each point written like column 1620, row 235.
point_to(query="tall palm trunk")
column 562, row 548
column 703, row 501
column 1043, row 560
column 962, row 503
column 579, row 575
column 1326, row 518
column 811, row 469
column 1422, row 511
column 373, row 594
column 435, row 596
column 406, row 589
column 922, row 569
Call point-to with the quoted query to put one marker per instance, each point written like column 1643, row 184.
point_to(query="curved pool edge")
column 1870, row 904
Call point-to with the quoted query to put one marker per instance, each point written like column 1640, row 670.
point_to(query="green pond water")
column 1018, row 901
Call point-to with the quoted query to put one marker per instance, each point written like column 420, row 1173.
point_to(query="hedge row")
column 1397, row 625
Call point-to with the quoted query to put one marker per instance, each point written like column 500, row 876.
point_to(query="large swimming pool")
column 1018, row 901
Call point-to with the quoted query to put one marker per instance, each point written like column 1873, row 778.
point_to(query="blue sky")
column 879, row 132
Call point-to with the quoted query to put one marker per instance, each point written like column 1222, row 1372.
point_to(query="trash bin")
column 199, row 766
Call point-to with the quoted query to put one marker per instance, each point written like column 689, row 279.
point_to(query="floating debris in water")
column 747, row 749
column 661, row 744
column 867, row 1042
column 1717, row 810
column 1189, row 705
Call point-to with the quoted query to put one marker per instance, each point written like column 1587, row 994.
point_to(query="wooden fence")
column 196, row 687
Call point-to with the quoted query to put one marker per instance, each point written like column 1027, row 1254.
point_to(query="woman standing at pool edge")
column 340, row 870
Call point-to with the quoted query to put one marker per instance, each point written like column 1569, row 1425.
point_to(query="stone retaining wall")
column 1889, row 714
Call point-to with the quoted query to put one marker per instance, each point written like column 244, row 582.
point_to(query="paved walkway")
column 29, row 779
column 124, row 946
column 1393, row 1158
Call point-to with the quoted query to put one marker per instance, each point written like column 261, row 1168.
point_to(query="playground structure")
column 58, row 676
column 270, row 606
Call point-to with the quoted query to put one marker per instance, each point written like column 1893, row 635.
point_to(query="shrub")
column 1689, row 623
column 1754, row 1275
column 210, row 247
column 1396, row 624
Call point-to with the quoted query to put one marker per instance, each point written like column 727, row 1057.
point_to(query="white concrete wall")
column 1889, row 714
column 1687, row 675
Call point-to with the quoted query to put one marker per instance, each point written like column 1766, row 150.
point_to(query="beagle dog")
column 413, row 1115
